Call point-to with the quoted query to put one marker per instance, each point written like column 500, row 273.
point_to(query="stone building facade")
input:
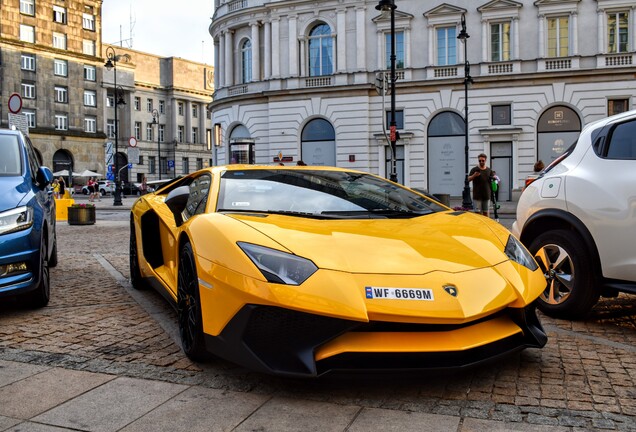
column 301, row 79
column 52, row 55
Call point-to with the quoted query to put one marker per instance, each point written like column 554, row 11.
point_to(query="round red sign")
column 15, row 103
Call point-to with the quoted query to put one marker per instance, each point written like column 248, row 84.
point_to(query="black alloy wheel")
column 41, row 295
column 189, row 306
column 137, row 281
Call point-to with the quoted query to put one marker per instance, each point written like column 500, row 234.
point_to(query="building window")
column 399, row 49
column 162, row 129
column 180, row 133
column 199, row 163
column 28, row 90
column 152, row 164
column 195, row 135
column 60, row 67
column 617, row 106
column 61, row 122
column 61, row 94
column 59, row 40
column 137, row 103
column 90, row 98
column 110, row 100
column 399, row 119
column 163, row 165
column 59, row 14
column 88, row 47
column 246, row 61
column 27, row 62
column 617, row 32
column 558, row 37
column 27, row 7
column 148, row 131
column 162, row 107
column 185, row 164
column 110, row 128
column 88, row 21
column 195, row 111
column 149, row 105
column 208, row 114
column 446, row 46
column 30, row 116
column 500, row 41
column 320, row 51
column 501, row 115
column 90, row 124
column 138, row 131
column 27, row 33
column 90, row 73
column 180, row 108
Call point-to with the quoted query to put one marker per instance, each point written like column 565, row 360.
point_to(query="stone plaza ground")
column 98, row 331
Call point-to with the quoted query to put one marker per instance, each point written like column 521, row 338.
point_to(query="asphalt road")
column 583, row 379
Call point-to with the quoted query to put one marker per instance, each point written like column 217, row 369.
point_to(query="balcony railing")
column 500, row 68
column 237, row 90
column 313, row 82
column 619, row 60
column 559, row 64
column 236, row 5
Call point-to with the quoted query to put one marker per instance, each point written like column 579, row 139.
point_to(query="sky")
column 167, row 28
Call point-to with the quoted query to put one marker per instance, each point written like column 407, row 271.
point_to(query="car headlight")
column 279, row 267
column 16, row 219
column 519, row 254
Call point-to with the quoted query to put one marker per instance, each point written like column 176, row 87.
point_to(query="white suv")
column 578, row 218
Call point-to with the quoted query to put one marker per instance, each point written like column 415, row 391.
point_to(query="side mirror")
column 176, row 202
column 44, row 177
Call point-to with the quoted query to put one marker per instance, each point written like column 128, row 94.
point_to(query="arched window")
column 241, row 146
column 246, row 61
column 446, row 154
column 318, row 145
column 320, row 51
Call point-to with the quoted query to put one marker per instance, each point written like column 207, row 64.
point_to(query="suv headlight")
column 519, row 254
column 279, row 267
column 16, row 219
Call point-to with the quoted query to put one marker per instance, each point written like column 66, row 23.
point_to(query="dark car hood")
column 15, row 192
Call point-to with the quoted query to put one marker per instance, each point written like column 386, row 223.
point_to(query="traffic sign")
column 170, row 163
column 132, row 142
column 129, row 166
column 15, row 103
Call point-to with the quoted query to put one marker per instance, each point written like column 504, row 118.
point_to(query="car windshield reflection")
column 327, row 194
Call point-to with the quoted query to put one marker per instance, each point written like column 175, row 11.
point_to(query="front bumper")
column 20, row 247
column 285, row 342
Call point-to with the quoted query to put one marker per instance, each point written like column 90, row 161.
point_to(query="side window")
column 199, row 190
column 622, row 144
column 34, row 161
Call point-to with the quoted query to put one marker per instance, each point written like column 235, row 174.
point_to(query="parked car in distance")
column 28, row 243
column 128, row 188
column 106, row 187
column 577, row 219
column 303, row 270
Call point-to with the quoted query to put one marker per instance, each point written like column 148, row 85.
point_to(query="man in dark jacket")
column 480, row 176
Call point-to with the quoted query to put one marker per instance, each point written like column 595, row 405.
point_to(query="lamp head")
column 386, row 5
column 109, row 64
column 463, row 35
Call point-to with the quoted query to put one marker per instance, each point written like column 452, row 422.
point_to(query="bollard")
column 61, row 208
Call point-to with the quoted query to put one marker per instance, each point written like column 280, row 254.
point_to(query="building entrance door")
column 501, row 162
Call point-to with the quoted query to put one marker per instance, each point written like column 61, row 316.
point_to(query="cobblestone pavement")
column 584, row 378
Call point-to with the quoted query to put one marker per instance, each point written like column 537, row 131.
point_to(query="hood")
column 15, row 192
column 448, row 241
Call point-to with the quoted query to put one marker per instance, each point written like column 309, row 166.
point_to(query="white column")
column 407, row 48
column 229, row 59
column 188, row 122
column 202, row 118
column 541, row 36
column 267, row 50
column 601, row 31
column 173, row 120
column 341, row 40
column 303, row 56
column 484, row 41
column 574, row 34
column 276, row 47
column 431, row 47
column 632, row 17
column 380, row 45
column 219, row 68
column 256, row 53
column 293, row 45
column 515, row 31
column 361, row 45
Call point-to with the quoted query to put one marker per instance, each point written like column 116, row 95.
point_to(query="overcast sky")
column 167, row 28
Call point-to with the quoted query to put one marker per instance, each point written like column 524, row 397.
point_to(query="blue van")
column 27, row 221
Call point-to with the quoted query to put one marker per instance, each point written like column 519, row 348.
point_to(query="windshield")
column 10, row 156
column 319, row 193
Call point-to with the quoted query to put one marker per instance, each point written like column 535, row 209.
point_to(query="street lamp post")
column 155, row 120
column 111, row 63
column 463, row 36
column 389, row 6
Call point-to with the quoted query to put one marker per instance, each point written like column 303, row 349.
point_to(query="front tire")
column 136, row 279
column 572, row 286
column 189, row 306
column 41, row 295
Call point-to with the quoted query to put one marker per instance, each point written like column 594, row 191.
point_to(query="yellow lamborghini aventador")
column 299, row 271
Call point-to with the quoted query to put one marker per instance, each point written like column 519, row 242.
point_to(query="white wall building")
column 297, row 79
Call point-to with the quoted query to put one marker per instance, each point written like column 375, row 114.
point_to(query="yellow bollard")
column 61, row 208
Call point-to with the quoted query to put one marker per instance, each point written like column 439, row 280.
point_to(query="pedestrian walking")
column 62, row 184
column 56, row 189
column 480, row 176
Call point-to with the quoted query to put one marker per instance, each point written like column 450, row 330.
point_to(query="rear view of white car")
column 578, row 218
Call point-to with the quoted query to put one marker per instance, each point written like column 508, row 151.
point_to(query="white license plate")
column 423, row 294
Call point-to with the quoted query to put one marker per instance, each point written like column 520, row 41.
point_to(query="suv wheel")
column 573, row 287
